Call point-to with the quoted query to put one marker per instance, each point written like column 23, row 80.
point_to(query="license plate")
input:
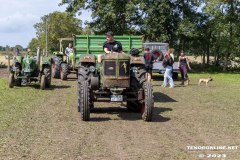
column 116, row 98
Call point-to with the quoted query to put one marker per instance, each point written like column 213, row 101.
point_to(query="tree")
column 33, row 44
column 225, row 16
column 59, row 25
column 119, row 16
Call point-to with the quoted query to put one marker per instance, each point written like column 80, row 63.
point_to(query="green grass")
column 17, row 102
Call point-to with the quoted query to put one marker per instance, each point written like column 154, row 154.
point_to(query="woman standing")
column 183, row 64
column 168, row 65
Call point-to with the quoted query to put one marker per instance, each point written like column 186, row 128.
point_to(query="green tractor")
column 27, row 69
column 61, row 64
column 117, row 78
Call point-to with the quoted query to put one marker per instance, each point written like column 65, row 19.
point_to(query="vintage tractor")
column 61, row 65
column 118, row 78
column 27, row 69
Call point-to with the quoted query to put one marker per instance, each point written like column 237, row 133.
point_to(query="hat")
column 109, row 33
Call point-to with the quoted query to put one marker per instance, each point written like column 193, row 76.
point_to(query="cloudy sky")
column 17, row 18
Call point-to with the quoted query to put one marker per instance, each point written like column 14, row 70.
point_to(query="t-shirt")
column 68, row 51
column 167, row 61
column 109, row 45
column 149, row 58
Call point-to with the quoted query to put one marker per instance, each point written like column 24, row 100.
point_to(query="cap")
column 109, row 33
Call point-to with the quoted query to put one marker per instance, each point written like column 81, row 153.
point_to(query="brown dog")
column 205, row 80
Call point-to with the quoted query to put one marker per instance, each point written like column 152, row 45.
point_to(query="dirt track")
column 53, row 130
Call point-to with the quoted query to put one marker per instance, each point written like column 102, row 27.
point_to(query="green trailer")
column 117, row 78
column 86, row 44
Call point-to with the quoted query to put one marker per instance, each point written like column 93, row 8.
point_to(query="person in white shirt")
column 68, row 50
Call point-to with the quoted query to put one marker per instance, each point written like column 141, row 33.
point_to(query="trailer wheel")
column 84, row 101
column 148, row 104
column 11, row 80
column 175, row 75
column 43, row 82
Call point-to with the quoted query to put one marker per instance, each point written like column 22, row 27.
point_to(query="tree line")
column 199, row 27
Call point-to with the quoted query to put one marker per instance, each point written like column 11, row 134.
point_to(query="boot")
column 187, row 82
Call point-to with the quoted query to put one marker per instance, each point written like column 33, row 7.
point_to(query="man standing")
column 68, row 50
column 149, row 59
column 112, row 45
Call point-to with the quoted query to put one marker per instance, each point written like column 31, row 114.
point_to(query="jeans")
column 168, row 77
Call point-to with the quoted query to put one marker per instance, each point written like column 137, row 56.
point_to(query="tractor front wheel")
column 64, row 71
column 11, row 80
column 84, row 101
column 56, row 67
column 43, row 82
column 47, row 73
column 148, row 103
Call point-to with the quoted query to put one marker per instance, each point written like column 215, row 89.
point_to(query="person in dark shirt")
column 168, row 65
column 183, row 64
column 149, row 59
column 112, row 45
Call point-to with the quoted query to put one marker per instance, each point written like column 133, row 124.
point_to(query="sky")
column 17, row 18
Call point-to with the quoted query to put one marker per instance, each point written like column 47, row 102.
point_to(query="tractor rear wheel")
column 56, row 67
column 84, row 101
column 64, row 71
column 148, row 103
column 11, row 80
column 47, row 73
column 43, row 82
column 136, row 83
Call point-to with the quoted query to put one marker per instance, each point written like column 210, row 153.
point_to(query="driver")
column 68, row 50
column 112, row 45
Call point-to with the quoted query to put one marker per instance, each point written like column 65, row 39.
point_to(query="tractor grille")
column 110, row 68
column 124, row 68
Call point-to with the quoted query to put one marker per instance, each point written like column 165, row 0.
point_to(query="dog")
column 205, row 80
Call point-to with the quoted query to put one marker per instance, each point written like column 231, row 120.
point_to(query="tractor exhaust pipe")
column 38, row 57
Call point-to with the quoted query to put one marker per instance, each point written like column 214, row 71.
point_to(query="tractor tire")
column 19, row 82
column 64, row 71
column 136, row 82
column 11, row 80
column 47, row 73
column 43, row 82
column 83, row 74
column 56, row 67
column 84, row 101
column 148, row 104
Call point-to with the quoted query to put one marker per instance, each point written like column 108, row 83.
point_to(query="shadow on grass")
column 124, row 114
column 53, row 87
column 161, row 97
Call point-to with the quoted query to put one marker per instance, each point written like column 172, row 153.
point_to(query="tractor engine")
column 115, row 71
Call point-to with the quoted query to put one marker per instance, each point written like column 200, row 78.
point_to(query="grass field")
column 37, row 124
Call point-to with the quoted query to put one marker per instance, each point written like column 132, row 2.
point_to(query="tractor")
column 61, row 64
column 117, row 78
column 28, row 68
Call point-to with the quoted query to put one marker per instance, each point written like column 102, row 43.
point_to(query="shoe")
column 171, row 87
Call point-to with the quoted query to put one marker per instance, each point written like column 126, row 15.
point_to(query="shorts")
column 149, row 69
